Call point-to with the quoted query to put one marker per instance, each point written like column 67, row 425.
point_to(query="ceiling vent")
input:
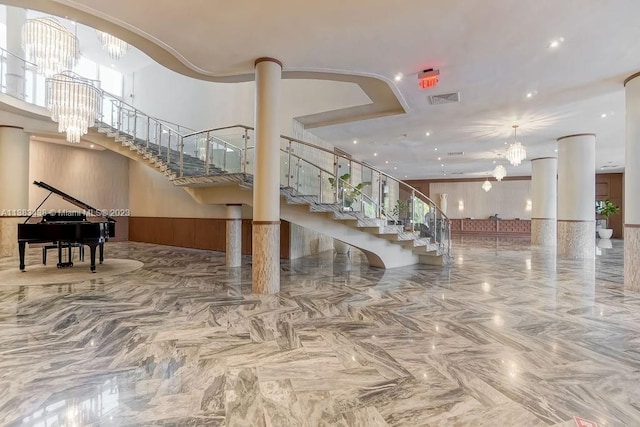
column 446, row 98
column 456, row 173
column 456, row 153
column 609, row 167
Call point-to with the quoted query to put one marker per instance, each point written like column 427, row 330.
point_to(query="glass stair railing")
column 327, row 180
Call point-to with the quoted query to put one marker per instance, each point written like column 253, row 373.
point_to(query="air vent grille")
column 457, row 173
column 446, row 98
column 455, row 153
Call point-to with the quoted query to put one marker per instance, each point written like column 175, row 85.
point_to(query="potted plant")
column 349, row 193
column 401, row 211
column 606, row 208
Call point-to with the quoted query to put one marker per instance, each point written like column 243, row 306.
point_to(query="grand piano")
column 67, row 229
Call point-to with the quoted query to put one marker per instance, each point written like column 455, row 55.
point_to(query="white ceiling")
column 492, row 51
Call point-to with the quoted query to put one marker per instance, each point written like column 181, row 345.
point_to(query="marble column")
column 16, row 17
column 266, row 179
column 234, row 235
column 544, row 184
column 577, row 196
column 14, row 186
column 631, row 212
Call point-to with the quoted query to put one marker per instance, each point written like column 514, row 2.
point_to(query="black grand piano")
column 64, row 230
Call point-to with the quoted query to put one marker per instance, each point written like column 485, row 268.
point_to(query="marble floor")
column 508, row 335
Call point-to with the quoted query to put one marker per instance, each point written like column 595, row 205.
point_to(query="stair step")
column 432, row 259
column 416, row 243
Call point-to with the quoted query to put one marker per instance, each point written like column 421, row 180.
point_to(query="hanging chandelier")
column 499, row 172
column 115, row 47
column 516, row 152
column 74, row 102
column 486, row 185
column 49, row 45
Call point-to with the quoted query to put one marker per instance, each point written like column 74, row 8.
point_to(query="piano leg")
column 21, row 247
column 92, row 250
column 101, row 252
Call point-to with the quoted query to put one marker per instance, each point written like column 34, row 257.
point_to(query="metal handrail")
column 4, row 51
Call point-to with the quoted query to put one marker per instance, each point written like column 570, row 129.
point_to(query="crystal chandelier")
column 516, row 152
column 486, row 185
column 74, row 103
column 49, row 45
column 115, row 47
column 499, row 172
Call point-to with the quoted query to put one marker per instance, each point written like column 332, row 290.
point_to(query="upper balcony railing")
column 305, row 169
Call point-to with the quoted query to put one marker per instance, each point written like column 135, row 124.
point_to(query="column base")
column 632, row 257
column 576, row 239
column 266, row 257
column 9, row 236
column 544, row 232
column 234, row 243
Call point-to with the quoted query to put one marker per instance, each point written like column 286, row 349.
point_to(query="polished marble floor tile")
column 508, row 335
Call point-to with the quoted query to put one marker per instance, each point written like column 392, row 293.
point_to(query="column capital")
column 544, row 158
column 631, row 77
column 575, row 135
column 267, row 59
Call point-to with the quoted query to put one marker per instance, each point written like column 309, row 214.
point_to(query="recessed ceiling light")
column 442, row 165
column 556, row 150
column 91, row 145
column 386, row 161
column 375, row 154
column 439, row 158
column 395, row 167
column 531, row 94
column 494, row 162
column 428, row 133
column 355, row 141
column 603, row 115
column 406, row 176
column 435, row 149
column 398, row 77
column 555, row 43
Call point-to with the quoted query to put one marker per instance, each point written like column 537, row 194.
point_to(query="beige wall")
column 151, row 194
column 507, row 198
column 98, row 178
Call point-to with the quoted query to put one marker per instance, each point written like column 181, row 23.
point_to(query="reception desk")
column 491, row 227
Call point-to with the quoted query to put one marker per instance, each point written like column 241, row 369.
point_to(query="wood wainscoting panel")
column 197, row 233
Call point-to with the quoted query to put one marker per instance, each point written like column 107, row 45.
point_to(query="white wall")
column 509, row 199
column 200, row 105
column 98, row 178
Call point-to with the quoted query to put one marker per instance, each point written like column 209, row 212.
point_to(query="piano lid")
column 73, row 200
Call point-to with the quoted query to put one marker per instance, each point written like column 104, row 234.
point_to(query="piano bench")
column 68, row 246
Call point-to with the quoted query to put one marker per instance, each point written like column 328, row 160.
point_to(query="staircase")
column 213, row 165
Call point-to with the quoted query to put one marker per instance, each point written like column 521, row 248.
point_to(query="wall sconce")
column 528, row 206
column 460, row 205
